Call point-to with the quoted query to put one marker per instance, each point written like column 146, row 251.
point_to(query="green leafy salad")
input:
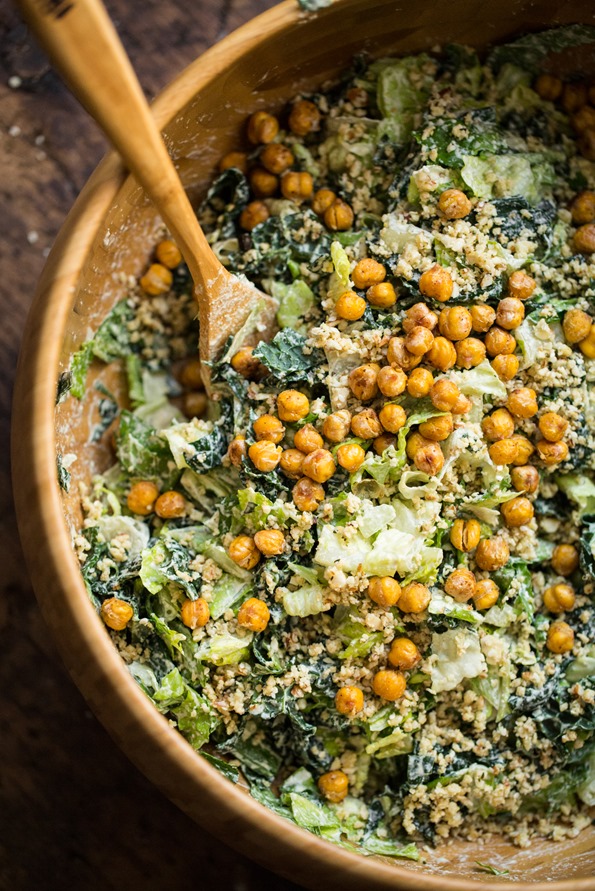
column 360, row 578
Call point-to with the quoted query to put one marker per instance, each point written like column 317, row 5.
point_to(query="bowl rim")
column 145, row 736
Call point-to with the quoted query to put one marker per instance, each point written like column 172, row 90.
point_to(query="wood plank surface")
column 74, row 812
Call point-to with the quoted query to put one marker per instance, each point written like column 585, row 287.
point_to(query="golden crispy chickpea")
column 419, row 314
column 339, row 216
column 116, row 613
column 170, row 505
column 297, row 185
column 368, row 272
column 246, row 364
column 336, row 426
column 583, row 208
column 363, row 381
column 444, row 394
column 587, row 346
column 254, row 614
column 142, row 497
column 576, row 325
column 492, row 554
column 522, row 402
column 559, row 598
column 333, row 785
column 350, row 456
column 524, row 449
column 454, row 204
column 552, row 426
column 498, row 425
column 414, row 598
column 304, row 117
column 349, row 701
column 403, row 654
column 263, row 183
column 442, row 354
column 419, row 340
column 548, row 87
column 429, row 459
column 560, row 637
column 517, row 512
column 389, row 685
column 307, row 439
column 307, row 494
column 391, row 381
column 190, row 375
column 350, row 306
column 504, row 451
column 455, row 322
column 322, row 200
column 292, row 405
column 237, row 451
column 461, row 585
column 366, row 424
column 156, row 280
column 437, row 283
column 521, row 285
column 465, row 535
column 194, row 403
column 414, row 443
column 565, row 559
column 399, row 356
column 276, row 158
column 244, row 552
column 291, row 463
column 499, row 342
column 195, row 613
column 262, row 128
column 462, row 406
column 584, row 119
column 574, row 96
column 525, row 479
column 505, row 366
column 420, row 382
column 269, row 542
column 470, row 352
column 382, row 295
column 482, row 317
column 437, row 429
column 551, row 453
column 268, row 427
column 510, row 313
column 239, row 160
column 319, row 465
column 385, row 591
column 584, row 239
column 383, row 442
column 486, row 594
column 586, row 144
column 392, row 417
column 255, row 213
column 265, row 455
column 168, row 253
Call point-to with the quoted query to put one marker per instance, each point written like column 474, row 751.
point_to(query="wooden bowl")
column 110, row 231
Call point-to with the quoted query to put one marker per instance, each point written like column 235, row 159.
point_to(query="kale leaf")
column 63, row 474
column 483, row 138
column 587, row 546
column 528, row 52
column 209, row 451
column 142, row 453
column 515, row 216
column 285, row 359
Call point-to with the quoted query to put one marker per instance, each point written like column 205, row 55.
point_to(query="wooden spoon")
column 83, row 44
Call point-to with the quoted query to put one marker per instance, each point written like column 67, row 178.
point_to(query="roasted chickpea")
column 339, row 216
column 307, row 494
column 429, row 459
column 576, row 325
column 253, row 214
column 419, row 314
column 268, row 427
column 195, row 613
column 437, row 429
column 276, row 158
column 442, row 354
column 398, row 355
column 461, row 585
column 349, row 701
column 304, row 117
column 291, row 463
column 116, row 613
column 237, row 450
column 292, row 405
column 455, row 322
column 444, row 394
column 389, row 685
column 470, row 352
column 239, row 160
column 548, row 87
column 350, row 306
column 142, row 497
column 465, row 535
column 419, row 340
column 383, row 442
column 384, row 591
column 392, row 417
column 363, row 381
column 403, row 654
column 263, row 183
column 559, row 598
column 517, row 512
column 414, row 442
column 492, row 554
column 336, row 426
column 584, row 239
column 510, row 313
column 486, row 594
column 525, row 479
column 190, row 375
column 262, row 127
column 414, row 598
column 565, row 559
column 156, row 280
column 265, row 455
column 333, row 785
column 168, row 253
column 382, row 295
column 350, row 456
column 366, row 424
column 462, row 406
column 297, row 185
column 437, row 283
column 586, row 146
column 307, row 439
column 498, row 425
column 524, row 449
column 368, row 272
column 574, row 96
column 551, row 453
column 503, row 451
column 244, row 552
column 587, row 346
column 254, row 614
column 482, row 317
column 319, row 465
column 560, row 637
column 170, row 505
column 392, row 381
column 552, row 426
column 505, row 366
column 246, row 364
column 322, row 200
column 454, row 204
column 584, row 119
column 269, row 542
column 521, row 285
column 522, row 402
column 420, row 382
column 583, row 208
column 499, row 342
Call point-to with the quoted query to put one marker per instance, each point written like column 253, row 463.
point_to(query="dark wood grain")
column 74, row 812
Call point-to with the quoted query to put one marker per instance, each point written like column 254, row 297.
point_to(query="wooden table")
column 74, row 812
